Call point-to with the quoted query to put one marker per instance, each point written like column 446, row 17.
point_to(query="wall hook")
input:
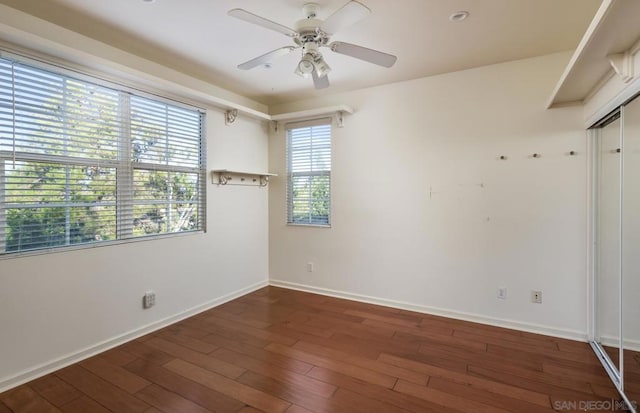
column 230, row 116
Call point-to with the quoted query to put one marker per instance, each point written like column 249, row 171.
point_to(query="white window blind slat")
column 85, row 163
column 309, row 173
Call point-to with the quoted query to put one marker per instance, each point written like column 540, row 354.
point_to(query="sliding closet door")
column 608, row 248
column 631, row 249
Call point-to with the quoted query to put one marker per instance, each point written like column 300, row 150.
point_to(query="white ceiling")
column 199, row 38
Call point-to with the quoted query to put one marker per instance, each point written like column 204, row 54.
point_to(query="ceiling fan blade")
column 362, row 53
column 266, row 58
column 349, row 14
column 261, row 21
column 320, row 82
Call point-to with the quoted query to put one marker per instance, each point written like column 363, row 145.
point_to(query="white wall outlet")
column 149, row 299
column 310, row 267
column 536, row 297
column 502, row 293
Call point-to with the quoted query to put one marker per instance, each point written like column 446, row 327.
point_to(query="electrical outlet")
column 502, row 293
column 536, row 297
column 149, row 299
column 310, row 267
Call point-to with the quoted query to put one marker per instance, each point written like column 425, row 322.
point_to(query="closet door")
column 631, row 249
column 608, row 248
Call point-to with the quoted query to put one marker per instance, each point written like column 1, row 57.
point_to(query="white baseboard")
column 615, row 342
column 498, row 322
column 64, row 361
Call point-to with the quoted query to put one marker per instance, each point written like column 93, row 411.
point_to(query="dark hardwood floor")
column 277, row 350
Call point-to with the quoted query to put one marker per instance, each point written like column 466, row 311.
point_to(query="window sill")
column 289, row 224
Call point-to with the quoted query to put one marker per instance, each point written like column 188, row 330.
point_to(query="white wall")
column 56, row 308
column 62, row 304
column 424, row 214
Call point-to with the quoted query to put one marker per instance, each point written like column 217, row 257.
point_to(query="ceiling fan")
column 310, row 35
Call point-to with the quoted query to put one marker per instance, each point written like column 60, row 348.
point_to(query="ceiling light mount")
column 459, row 16
column 310, row 10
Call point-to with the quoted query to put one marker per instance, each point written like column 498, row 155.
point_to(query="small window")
column 309, row 173
column 84, row 162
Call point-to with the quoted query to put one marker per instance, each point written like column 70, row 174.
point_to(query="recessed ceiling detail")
column 459, row 16
column 198, row 38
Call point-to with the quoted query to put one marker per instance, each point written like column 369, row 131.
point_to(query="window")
column 83, row 162
column 309, row 173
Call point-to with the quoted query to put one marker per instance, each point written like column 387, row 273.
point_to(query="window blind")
column 309, row 173
column 81, row 162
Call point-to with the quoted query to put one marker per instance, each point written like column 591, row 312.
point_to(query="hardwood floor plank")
column 396, row 319
column 4, row 408
column 591, row 375
column 541, row 355
column 283, row 375
column 487, row 385
column 242, row 318
column 426, row 339
column 229, row 333
column 252, row 331
column 183, row 353
column 197, row 393
column 334, row 325
column 441, row 359
column 468, row 392
column 571, row 383
column 234, row 389
column 168, row 402
column 118, row 357
column 382, row 394
column 260, row 354
column 480, row 358
column 367, row 375
column 249, row 409
column 101, row 391
column 192, row 343
column 149, row 354
column 184, row 329
column 85, row 405
column 551, row 387
column 56, row 391
column 337, row 341
column 24, row 399
column 291, row 329
column 375, row 365
column 297, row 409
column 516, row 342
column 114, row 374
column 426, row 331
column 445, row 399
column 293, row 395
column 358, row 403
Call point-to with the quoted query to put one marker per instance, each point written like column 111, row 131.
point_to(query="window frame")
column 122, row 164
column 325, row 121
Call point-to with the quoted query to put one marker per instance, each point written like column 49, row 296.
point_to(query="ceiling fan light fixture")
column 305, row 66
column 322, row 68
